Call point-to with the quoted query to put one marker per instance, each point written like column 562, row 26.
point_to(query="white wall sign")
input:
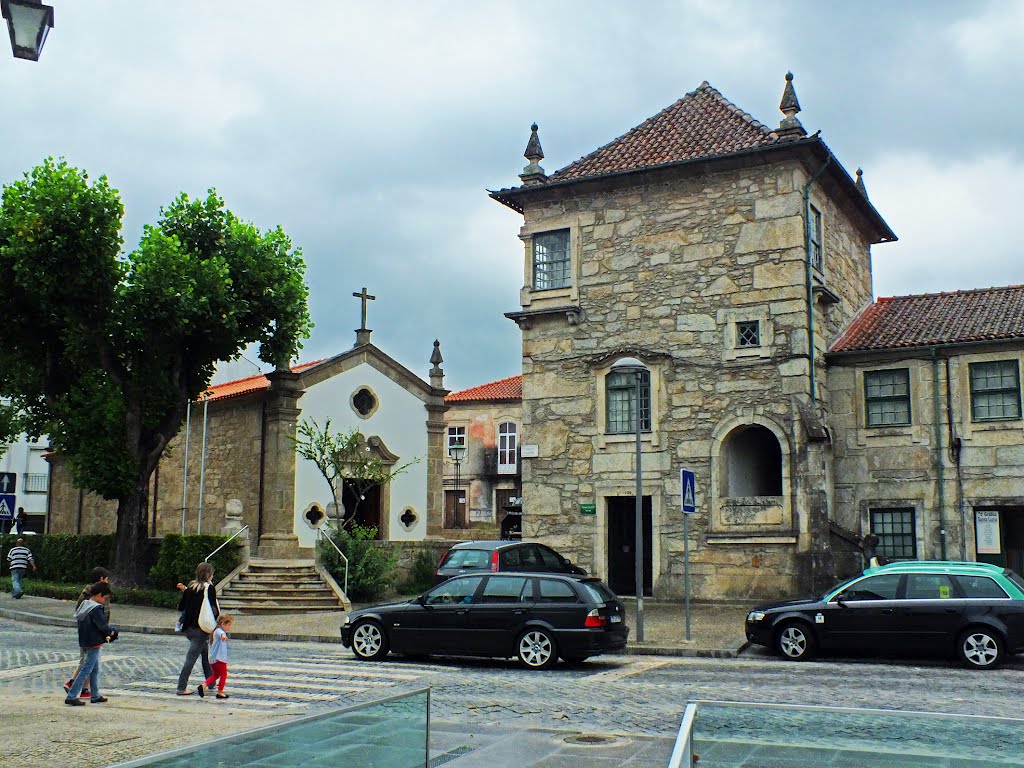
column 529, row 451
column 986, row 531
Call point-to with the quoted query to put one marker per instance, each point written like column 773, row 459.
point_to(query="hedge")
column 123, row 595
column 179, row 556
column 64, row 558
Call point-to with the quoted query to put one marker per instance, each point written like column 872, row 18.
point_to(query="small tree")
column 345, row 460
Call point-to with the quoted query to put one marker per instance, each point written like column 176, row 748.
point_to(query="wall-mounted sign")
column 529, row 451
column 588, row 509
column 986, row 531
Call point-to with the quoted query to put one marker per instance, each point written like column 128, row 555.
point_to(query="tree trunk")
column 132, row 536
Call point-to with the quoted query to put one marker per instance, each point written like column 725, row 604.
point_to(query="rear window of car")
column 506, row 589
column 980, row 587
column 598, row 591
column 511, row 559
column 470, row 558
column 553, row 591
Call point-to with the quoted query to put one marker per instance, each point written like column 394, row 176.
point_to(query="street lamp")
column 458, row 452
column 28, row 22
column 631, row 365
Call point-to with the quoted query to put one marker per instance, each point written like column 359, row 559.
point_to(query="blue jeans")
column 16, row 574
column 91, row 670
column 198, row 646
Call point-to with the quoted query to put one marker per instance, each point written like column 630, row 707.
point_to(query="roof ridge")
column 957, row 292
column 738, row 111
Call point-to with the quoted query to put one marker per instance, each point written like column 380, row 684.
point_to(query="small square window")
column 995, row 391
column 456, row 436
column 895, row 531
column 551, row 260
column 748, row 334
column 887, row 397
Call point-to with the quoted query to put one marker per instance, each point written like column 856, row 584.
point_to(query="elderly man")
column 19, row 559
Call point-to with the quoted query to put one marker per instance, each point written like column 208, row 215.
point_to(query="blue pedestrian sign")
column 689, row 491
column 7, row 506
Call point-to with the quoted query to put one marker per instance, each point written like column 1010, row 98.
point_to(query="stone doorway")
column 367, row 511
column 622, row 544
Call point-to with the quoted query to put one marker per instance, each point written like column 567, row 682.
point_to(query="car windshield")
column 1017, row 580
column 467, row 558
column 598, row 591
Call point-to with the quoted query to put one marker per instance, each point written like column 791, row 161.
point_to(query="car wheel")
column 794, row 641
column 981, row 648
column 536, row 648
column 369, row 641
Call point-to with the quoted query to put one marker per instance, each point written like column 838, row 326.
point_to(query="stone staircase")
column 280, row 586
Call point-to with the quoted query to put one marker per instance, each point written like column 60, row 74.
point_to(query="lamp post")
column 458, row 452
column 28, row 23
column 634, row 366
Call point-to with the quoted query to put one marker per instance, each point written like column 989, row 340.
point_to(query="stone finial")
column 533, row 173
column 790, row 128
column 436, row 373
column 860, row 183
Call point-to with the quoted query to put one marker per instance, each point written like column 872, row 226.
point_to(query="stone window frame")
column 917, row 505
column 972, row 367
column 730, row 319
column 721, row 532
column 352, row 401
column 869, row 399
column 889, row 435
column 654, row 436
column 538, row 299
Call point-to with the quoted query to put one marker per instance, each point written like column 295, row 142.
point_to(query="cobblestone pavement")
column 639, row 696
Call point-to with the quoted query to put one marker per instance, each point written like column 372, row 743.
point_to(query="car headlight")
column 755, row 616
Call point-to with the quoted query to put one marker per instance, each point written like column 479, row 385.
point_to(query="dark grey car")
column 492, row 556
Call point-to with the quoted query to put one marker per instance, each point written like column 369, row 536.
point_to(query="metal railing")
column 682, row 754
column 245, row 529
column 321, row 535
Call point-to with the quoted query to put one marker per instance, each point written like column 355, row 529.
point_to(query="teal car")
column 973, row 611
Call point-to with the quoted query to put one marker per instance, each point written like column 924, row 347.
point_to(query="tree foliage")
column 345, row 460
column 111, row 346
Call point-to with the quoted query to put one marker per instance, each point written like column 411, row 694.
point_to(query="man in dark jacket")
column 93, row 631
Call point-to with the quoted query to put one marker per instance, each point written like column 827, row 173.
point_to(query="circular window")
column 364, row 402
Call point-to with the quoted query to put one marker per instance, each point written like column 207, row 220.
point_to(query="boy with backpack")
column 93, row 631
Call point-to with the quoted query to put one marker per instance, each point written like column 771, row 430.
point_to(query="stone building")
column 727, row 257
column 486, row 485
column 242, row 467
column 926, row 417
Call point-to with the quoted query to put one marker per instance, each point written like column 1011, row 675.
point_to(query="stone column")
column 277, row 539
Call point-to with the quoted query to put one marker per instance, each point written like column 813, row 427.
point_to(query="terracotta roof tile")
column 958, row 317
column 250, row 384
column 504, row 389
column 701, row 124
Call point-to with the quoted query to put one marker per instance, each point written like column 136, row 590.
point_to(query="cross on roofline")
column 364, row 297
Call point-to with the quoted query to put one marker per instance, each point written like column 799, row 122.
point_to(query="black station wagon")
column 536, row 618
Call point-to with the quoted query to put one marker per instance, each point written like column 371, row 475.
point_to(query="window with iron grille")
column 36, row 482
column 551, row 260
column 887, row 397
column 995, row 391
column 896, row 533
column 814, row 235
column 620, row 402
column 748, row 334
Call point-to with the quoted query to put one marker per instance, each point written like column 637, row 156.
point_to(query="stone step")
column 248, row 578
column 260, row 608
column 252, row 587
column 283, row 599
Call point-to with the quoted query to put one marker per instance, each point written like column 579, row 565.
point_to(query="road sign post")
column 688, row 502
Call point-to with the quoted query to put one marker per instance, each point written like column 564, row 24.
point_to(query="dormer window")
column 551, row 260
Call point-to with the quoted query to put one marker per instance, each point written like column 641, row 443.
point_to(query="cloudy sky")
column 371, row 131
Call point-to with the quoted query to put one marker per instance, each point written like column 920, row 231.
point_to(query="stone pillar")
column 277, row 539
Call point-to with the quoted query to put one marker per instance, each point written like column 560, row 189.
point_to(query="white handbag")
column 207, row 621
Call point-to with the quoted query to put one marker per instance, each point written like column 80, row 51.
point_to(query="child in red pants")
column 218, row 658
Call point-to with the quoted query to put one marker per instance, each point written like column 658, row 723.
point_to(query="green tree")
column 12, row 424
column 112, row 346
column 345, row 461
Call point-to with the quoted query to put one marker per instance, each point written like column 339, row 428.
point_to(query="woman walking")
column 199, row 591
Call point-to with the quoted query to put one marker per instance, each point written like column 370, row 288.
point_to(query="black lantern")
column 28, row 22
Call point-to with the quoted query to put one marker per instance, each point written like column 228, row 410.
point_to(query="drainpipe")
column 939, row 459
column 810, row 277
column 955, row 447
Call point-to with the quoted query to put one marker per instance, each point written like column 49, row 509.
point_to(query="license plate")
column 615, row 619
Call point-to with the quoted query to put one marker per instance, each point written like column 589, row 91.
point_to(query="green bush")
column 179, row 556
column 125, row 596
column 64, row 558
column 421, row 576
column 371, row 569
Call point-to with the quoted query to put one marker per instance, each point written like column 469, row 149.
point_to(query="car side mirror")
column 566, row 561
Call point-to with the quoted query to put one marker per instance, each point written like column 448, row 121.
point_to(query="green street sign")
column 588, row 509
